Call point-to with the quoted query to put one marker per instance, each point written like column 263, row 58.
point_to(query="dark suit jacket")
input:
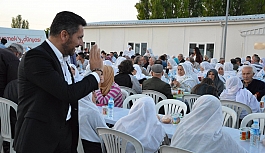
column 157, row 84
column 44, row 98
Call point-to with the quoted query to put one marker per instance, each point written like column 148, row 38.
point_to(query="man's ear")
column 64, row 35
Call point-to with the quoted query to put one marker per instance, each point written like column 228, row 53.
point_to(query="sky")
column 40, row 13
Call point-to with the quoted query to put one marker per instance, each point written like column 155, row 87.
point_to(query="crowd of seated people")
column 239, row 80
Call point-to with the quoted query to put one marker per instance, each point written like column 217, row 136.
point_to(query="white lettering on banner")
column 21, row 40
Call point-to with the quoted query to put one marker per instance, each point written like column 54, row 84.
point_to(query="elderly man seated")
column 155, row 83
column 256, row 87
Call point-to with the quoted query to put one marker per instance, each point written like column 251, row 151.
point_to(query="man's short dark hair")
column 3, row 41
column 68, row 21
column 248, row 57
column 162, row 57
column 238, row 59
column 233, row 61
column 81, row 54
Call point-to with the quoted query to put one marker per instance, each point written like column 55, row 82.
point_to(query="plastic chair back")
column 190, row 99
column 227, row 112
column 168, row 149
column 132, row 98
column 254, row 116
column 155, row 95
column 171, row 106
column 125, row 94
column 237, row 107
column 5, row 105
column 116, row 141
column 129, row 90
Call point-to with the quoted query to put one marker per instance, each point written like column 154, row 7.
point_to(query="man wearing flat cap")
column 155, row 83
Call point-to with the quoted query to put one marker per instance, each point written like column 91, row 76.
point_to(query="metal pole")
column 226, row 18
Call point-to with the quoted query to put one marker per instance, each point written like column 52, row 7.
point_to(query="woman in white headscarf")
column 190, row 70
column 149, row 53
column 228, row 70
column 235, row 92
column 213, row 62
column 205, row 134
column 142, row 123
column 220, row 69
column 204, row 68
column 75, row 72
column 172, row 67
column 139, row 75
column 184, row 78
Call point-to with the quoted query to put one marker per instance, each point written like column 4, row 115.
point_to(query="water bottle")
column 254, row 134
column 81, row 69
column 110, row 107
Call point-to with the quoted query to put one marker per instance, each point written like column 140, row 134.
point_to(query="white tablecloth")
column 171, row 129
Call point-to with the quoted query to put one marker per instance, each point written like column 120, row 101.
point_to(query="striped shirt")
column 115, row 93
column 258, row 66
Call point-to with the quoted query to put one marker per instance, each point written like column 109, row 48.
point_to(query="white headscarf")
column 234, row 91
column 228, row 70
column 139, row 75
column 77, row 76
column 214, row 62
column 127, row 52
column 206, row 66
column 149, row 53
column 118, row 61
column 172, row 62
column 190, row 71
column 107, row 62
column 228, row 66
column 142, row 123
column 201, row 130
column 218, row 65
column 186, row 81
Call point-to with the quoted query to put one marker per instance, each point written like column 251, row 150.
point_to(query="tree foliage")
column 164, row 9
column 18, row 22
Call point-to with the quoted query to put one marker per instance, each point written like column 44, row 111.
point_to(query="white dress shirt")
column 67, row 74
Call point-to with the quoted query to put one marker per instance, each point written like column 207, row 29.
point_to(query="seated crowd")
column 239, row 80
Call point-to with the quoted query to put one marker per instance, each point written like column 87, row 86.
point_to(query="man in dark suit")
column 155, row 83
column 48, row 97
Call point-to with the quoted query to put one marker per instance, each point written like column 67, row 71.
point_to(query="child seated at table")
column 201, row 130
column 142, row 123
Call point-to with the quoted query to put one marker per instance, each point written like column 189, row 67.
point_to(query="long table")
column 170, row 129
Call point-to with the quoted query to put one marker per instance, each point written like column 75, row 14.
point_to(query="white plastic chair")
column 155, row 95
column 5, row 105
column 253, row 116
column 237, row 107
column 129, row 90
column 116, row 141
column 190, row 99
column 168, row 149
column 227, row 112
column 132, row 98
column 171, row 106
column 125, row 94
